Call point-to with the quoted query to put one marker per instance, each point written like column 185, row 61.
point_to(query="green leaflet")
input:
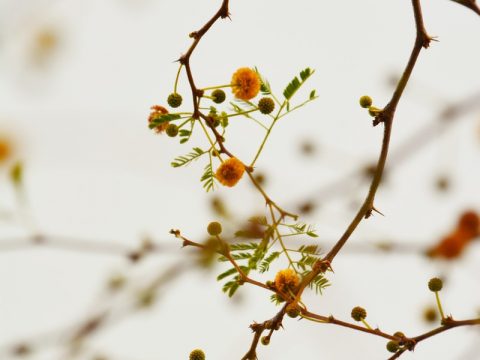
column 297, row 83
column 162, row 119
column 195, row 154
column 208, row 178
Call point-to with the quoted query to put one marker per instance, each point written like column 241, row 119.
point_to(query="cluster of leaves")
column 259, row 253
column 237, row 107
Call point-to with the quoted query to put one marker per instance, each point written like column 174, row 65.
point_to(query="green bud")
column 197, row 354
column 266, row 105
column 218, row 96
column 435, row 284
column 358, row 313
column 392, row 346
column 174, row 100
column 172, row 130
column 214, row 228
column 365, row 101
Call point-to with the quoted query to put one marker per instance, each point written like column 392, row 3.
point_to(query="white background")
column 95, row 171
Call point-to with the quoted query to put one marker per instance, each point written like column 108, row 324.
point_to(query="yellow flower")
column 158, row 111
column 245, row 84
column 286, row 280
column 230, row 172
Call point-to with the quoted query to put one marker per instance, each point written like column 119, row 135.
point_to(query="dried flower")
column 230, row 172
column 158, row 111
column 245, row 84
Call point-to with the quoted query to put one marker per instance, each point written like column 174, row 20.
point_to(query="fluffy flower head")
column 286, row 280
column 230, row 172
column 245, row 83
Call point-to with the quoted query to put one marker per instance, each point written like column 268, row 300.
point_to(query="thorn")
column 377, row 211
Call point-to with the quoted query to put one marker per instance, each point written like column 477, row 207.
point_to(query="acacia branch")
column 386, row 116
column 273, row 324
column 222, row 13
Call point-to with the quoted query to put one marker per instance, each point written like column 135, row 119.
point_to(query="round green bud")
column 214, row 228
column 172, row 130
column 266, row 105
column 265, row 340
column 197, row 354
column 399, row 334
column 174, row 100
column 392, row 346
column 435, row 284
column 293, row 311
column 365, row 101
column 218, row 96
column 359, row 313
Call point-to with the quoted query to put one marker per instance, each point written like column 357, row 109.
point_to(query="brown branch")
column 78, row 245
column 407, row 343
column 470, row 4
column 331, row 320
column 397, row 354
column 83, row 330
column 273, row 324
column 447, row 324
column 224, row 251
column 446, row 117
column 386, row 116
column 185, row 58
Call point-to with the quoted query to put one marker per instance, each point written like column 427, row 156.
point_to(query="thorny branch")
column 386, row 116
column 272, row 325
column 471, row 4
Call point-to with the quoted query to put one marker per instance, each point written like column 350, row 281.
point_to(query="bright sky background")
column 94, row 170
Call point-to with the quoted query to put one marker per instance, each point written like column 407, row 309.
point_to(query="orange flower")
column 230, row 172
column 245, row 83
column 286, row 280
column 469, row 224
column 5, row 150
column 450, row 247
column 158, row 111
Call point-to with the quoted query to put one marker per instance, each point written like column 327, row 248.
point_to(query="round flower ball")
column 245, row 83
